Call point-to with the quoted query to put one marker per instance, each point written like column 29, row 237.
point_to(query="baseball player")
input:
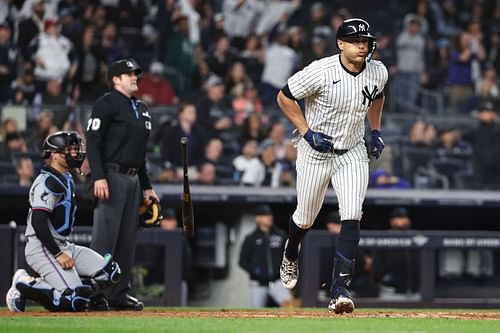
column 339, row 92
column 68, row 274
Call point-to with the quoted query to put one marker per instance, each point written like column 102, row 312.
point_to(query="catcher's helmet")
column 357, row 27
column 61, row 142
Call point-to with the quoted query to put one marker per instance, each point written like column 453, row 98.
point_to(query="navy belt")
column 121, row 169
column 340, row 151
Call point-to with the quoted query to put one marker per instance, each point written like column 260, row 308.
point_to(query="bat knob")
column 184, row 140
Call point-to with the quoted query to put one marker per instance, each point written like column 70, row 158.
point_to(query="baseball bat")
column 187, row 204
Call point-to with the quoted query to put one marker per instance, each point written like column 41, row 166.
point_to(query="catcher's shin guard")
column 107, row 276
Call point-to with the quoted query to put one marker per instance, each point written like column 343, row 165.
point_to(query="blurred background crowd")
column 213, row 68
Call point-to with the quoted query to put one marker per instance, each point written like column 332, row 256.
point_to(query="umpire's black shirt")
column 118, row 132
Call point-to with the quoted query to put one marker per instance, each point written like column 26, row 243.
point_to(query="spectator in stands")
column 206, row 174
column 214, row 153
column 180, row 56
column 266, row 171
column 410, row 59
column 451, row 143
column 154, row 88
column 244, row 162
column 280, row 62
column 465, row 55
column 236, row 80
column 220, row 58
column 9, row 125
column 14, row 143
column 493, row 52
column 187, row 126
column 288, row 169
column 239, row 19
column 25, row 170
column 90, row 80
column 23, row 87
column 279, row 140
column 422, row 134
column 45, row 126
column 252, row 128
column 247, row 104
column 447, row 18
column 253, row 58
column 212, row 31
column 8, row 62
column 30, row 27
column 55, row 98
column 131, row 14
column 111, row 44
column 317, row 50
column 71, row 26
column 380, row 178
column 483, row 138
column 168, row 174
column 212, row 114
column 317, row 24
column 398, row 270
column 53, row 54
column 260, row 257
column 298, row 42
column 487, row 87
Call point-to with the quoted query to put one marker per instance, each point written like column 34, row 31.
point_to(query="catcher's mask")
column 150, row 213
column 62, row 142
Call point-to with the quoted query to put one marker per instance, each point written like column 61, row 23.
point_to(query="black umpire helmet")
column 357, row 27
column 60, row 142
column 123, row 66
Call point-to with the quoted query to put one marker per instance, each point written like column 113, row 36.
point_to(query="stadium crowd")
column 213, row 69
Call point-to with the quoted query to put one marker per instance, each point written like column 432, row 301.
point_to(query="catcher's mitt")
column 150, row 213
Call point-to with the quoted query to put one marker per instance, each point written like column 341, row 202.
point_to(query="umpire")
column 117, row 135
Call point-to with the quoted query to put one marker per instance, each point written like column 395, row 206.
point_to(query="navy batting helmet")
column 357, row 27
column 61, row 142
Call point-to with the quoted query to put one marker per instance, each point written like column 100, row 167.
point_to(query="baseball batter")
column 60, row 264
column 339, row 92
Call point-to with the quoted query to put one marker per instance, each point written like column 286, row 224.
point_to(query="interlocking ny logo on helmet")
column 357, row 27
column 62, row 142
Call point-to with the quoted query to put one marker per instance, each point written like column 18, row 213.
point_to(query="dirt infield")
column 274, row 313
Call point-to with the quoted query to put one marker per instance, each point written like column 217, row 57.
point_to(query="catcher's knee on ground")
column 70, row 300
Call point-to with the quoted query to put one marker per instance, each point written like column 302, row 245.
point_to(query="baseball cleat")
column 15, row 302
column 289, row 271
column 341, row 304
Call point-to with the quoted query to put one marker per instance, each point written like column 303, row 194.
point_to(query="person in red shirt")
column 154, row 88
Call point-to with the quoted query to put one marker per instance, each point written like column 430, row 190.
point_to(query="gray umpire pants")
column 116, row 223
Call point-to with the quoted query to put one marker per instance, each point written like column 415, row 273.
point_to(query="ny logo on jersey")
column 368, row 96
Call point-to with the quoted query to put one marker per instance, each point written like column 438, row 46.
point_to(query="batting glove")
column 377, row 144
column 319, row 141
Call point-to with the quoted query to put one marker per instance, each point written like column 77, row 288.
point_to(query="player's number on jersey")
column 93, row 124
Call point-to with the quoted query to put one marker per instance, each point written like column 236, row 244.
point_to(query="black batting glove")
column 319, row 141
column 376, row 144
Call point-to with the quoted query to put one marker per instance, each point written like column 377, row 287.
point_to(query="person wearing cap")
column 260, row 257
column 154, row 88
column 484, row 138
column 117, row 136
column 398, row 269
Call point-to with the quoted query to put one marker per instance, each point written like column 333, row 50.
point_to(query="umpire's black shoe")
column 98, row 303
column 131, row 304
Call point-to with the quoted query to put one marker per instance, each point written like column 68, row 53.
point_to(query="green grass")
column 116, row 323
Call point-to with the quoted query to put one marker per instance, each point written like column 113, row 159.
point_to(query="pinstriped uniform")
column 336, row 102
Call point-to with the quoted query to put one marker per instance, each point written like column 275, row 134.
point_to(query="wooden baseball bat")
column 187, row 204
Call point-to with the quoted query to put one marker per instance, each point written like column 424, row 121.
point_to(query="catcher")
column 68, row 274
